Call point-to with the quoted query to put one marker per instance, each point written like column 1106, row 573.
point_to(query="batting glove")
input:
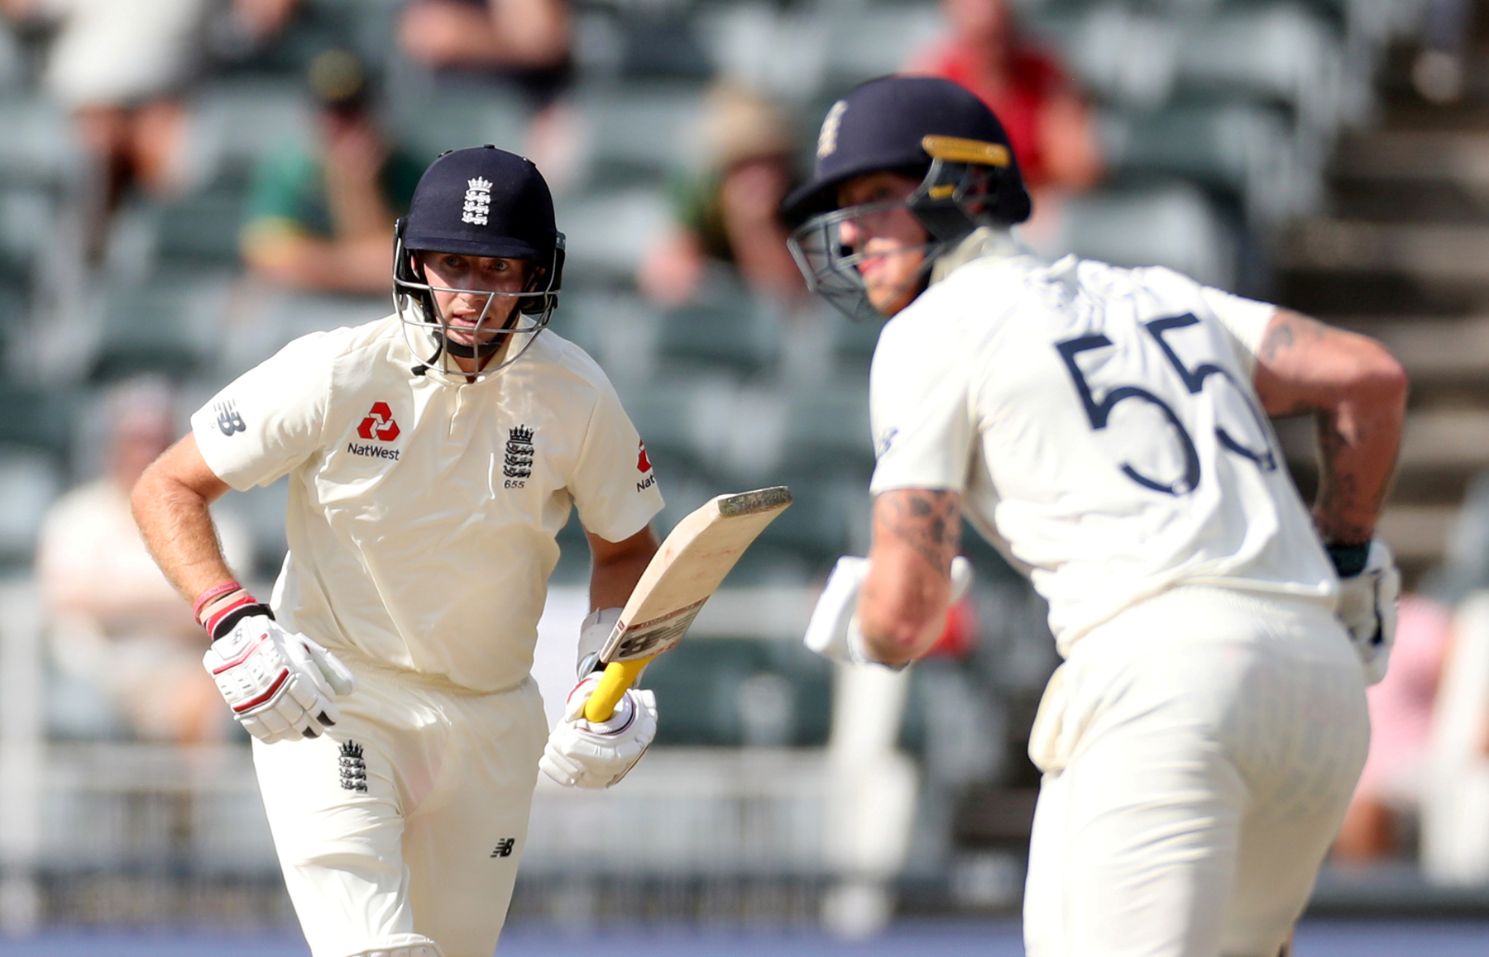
column 1368, row 592
column 832, row 631
column 279, row 685
column 597, row 754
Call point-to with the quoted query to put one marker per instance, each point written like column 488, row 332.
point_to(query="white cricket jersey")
column 423, row 513
column 1102, row 428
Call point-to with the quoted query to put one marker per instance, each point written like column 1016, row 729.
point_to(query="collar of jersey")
column 985, row 242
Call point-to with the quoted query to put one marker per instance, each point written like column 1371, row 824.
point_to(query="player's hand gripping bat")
column 687, row 568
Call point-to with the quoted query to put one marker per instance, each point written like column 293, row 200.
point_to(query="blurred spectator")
column 121, row 69
column 321, row 218
column 1048, row 122
column 1438, row 71
column 116, row 626
column 263, row 19
column 524, row 45
column 1455, row 810
column 1382, row 819
column 244, row 29
column 728, row 216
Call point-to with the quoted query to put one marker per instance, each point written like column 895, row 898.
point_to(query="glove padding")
column 585, row 754
column 280, row 685
column 1367, row 609
column 833, row 629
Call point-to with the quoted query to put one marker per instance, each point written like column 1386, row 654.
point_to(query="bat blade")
column 688, row 567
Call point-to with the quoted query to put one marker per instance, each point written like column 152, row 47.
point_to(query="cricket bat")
column 687, row 568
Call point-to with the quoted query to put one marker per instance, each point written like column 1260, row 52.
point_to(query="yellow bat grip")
column 618, row 676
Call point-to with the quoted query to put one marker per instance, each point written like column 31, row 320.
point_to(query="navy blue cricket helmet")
column 480, row 201
column 883, row 124
column 920, row 126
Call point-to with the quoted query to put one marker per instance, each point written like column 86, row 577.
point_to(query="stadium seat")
column 1242, row 151
column 636, row 133
column 728, row 331
column 38, row 418
column 868, row 41
column 608, row 231
column 428, row 117
column 39, row 146
column 173, row 327
column 1279, row 53
column 199, row 228
column 1118, row 54
column 741, row 692
column 827, row 426
column 681, row 421
column 235, row 122
column 30, row 479
column 1165, row 224
column 829, row 518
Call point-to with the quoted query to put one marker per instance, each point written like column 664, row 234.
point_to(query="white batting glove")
column 1367, row 609
column 594, row 631
column 832, row 631
column 585, row 754
column 279, row 685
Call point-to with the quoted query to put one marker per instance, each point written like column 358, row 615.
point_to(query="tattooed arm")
column 1356, row 391
column 903, row 606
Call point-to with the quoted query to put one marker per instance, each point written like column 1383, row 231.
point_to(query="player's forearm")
column 903, row 605
column 1357, row 457
column 616, row 567
column 1357, row 392
column 1358, row 443
column 176, row 525
column 899, row 639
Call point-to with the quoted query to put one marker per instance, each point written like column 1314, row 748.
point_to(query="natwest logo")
column 379, row 424
column 643, row 464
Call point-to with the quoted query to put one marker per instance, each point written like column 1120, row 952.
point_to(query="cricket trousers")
column 407, row 819
column 1198, row 752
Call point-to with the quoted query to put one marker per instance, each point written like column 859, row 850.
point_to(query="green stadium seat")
column 733, row 692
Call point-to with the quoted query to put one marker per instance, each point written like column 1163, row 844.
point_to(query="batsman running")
column 1108, row 430
column 432, row 457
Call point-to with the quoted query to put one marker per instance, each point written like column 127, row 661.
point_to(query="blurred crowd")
column 268, row 146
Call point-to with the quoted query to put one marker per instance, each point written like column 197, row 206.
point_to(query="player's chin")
column 888, row 299
column 469, row 336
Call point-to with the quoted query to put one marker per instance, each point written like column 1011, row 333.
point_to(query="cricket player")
column 1107, row 429
column 432, row 457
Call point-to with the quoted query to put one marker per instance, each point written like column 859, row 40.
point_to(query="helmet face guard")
column 920, row 126
column 505, row 327
column 832, row 267
column 949, row 204
column 480, row 202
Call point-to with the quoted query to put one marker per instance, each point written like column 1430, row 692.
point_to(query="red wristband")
column 244, row 600
column 208, row 596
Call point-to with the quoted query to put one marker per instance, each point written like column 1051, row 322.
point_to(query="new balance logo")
column 477, row 201
column 504, row 847
column 228, row 419
column 353, row 768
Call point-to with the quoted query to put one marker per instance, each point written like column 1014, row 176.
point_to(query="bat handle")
column 618, row 676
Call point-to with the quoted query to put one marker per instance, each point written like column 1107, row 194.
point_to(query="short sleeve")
column 919, row 400
column 270, row 419
column 1245, row 319
column 614, row 487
